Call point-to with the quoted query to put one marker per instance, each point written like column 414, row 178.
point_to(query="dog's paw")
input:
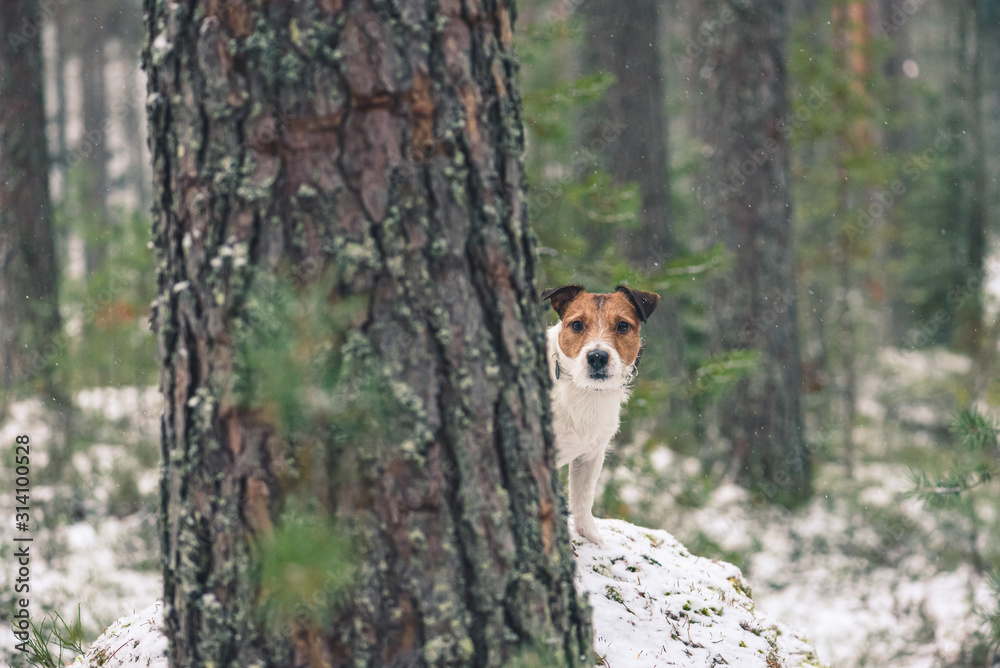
column 587, row 528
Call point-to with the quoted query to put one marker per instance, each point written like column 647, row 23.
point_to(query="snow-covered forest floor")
column 866, row 573
column 93, row 507
column 654, row 604
column 872, row 577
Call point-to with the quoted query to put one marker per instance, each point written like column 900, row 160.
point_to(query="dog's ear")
column 561, row 297
column 644, row 302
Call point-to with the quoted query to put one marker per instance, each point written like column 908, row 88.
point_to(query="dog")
column 593, row 354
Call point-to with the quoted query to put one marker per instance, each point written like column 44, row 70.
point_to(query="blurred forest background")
column 891, row 293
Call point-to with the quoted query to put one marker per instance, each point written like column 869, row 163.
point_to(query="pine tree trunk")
column 29, row 313
column 896, row 141
column 93, row 144
column 626, row 44
column 133, row 122
column 973, row 311
column 988, row 66
column 59, row 76
column 852, row 43
column 749, row 209
column 375, row 152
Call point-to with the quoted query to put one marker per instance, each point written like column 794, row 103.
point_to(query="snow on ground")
column 882, row 593
column 656, row 605
column 869, row 574
column 131, row 641
column 94, row 528
column 864, row 579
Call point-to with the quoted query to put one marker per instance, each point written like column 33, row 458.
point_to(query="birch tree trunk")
column 372, row 152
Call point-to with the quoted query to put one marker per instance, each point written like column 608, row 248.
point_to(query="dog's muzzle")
column 597, row 360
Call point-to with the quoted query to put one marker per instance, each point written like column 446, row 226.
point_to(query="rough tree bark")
column 29, row 314
column 379, row 144
column 748, row 207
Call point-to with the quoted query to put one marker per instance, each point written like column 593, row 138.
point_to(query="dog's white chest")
column 585, row 420
column 593, row 415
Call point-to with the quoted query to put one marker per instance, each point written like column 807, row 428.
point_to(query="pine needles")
column 976, row 444
column 51, row 638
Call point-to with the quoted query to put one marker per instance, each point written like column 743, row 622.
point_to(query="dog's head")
column 599, row 333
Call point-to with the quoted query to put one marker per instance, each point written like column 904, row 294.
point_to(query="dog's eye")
column 623, row 327
column 576, row 326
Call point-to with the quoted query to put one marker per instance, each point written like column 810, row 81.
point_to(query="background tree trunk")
column 382, row 149
column 748, row 208
column 58, row 69
column 852, row 42
column 133, row 122
column 896, row 141
column 93, row 143
column 985, row 77
column 29, row 313
column 974, row 337
column 627, row 45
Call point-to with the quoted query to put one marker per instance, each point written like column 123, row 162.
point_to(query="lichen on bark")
column 372, row 151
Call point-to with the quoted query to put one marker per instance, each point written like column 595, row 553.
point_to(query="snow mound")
column 131, row 641
column 656, row 605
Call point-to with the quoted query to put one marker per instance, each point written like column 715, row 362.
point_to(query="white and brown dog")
column 593, row 354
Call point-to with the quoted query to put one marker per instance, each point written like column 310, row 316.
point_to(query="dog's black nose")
column 597, row 359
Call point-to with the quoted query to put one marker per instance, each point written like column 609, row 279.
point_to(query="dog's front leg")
column 583, row 474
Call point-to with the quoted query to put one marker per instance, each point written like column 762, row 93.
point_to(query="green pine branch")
column 976, row 439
